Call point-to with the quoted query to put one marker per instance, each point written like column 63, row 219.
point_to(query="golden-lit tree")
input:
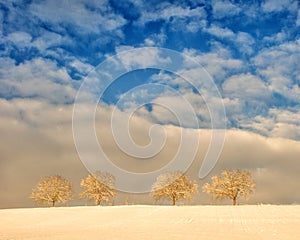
column 52, row 189
column 174, row 186
column 231, row 184
column 98, row 186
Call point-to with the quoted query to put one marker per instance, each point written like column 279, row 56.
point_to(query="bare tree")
column 231, row 184
column 98, row 186
column 173, row 186
column 52, row 189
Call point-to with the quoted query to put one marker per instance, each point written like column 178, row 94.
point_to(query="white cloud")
column 83, row 68
column 286, row 116
column 22, row 39
column 178, row 18
column 39, row 78
column 242, row 40
column 277, row 6
column 50, row 39
column 279, row 66
column 195, row 26
column 298, row 18
column 205, row 100
column 277, row 123
column 156, row 40
column 176, row 11
column 277, row 37
column 286, row 130
column 149, row 42
column 170, row 109
column 1, row 22
column 225, row 8
column 78, row 14
column 218, row 63
column 245, row 38
column 260, row 124
column 220, row 32
column 234, row 107
column 245, row 86
column 245, row 42
column 146, row 57
column 171, row 98
column 169, row 11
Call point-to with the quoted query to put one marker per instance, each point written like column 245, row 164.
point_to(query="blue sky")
column 251, row 50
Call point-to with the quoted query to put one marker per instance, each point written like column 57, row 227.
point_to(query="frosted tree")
column 99, row 187
column 52, row 189
column 173, row 186
column 231, row 184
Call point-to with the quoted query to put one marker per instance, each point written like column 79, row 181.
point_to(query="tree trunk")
column 53, row 203
column 98, row 202
column 173, row 201
column 234, row 202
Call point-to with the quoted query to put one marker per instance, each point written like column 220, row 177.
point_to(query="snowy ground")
column 152, row 222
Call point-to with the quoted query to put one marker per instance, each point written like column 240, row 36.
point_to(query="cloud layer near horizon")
column 37, row 141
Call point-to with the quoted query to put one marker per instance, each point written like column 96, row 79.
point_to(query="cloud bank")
column 37, row 141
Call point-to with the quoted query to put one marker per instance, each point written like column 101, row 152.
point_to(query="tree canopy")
column 99, row 187
column 52, row 189
column 173, row 186
column 231, row 184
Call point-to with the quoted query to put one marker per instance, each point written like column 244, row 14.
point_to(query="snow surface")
column 152, row 222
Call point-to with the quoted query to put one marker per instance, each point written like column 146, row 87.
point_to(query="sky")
column 242, row 58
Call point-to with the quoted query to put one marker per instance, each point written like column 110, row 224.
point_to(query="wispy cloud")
column 223, row 9
column 40, row 78
column 245, row 87
column 220, row 32
column 298, row 19
column 84, row 17
column 278, row 123
column 169, row 11
column 277, row 6
column 149, row 56
column 279, row 66
column 219, row 62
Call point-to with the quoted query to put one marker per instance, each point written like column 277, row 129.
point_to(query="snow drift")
column 152, row 222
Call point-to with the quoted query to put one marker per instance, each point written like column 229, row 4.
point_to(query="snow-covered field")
column 152, row 222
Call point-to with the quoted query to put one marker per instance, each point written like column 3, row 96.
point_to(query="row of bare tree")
column 173, row 186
